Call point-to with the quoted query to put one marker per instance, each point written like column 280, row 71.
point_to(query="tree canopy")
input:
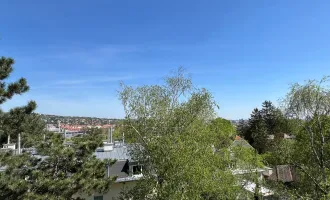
column 14, row 121
column 177, row 131
column 265, row 123
column 309, row 105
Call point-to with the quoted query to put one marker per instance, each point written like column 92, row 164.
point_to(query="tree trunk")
column 324, row 175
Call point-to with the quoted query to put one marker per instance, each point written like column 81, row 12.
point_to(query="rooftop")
column 118, row 153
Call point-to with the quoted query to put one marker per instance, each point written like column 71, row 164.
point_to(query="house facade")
column 127, row 171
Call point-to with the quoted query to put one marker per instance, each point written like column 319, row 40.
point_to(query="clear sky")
column 74, row 53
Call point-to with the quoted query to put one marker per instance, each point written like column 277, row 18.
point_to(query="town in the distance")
column 75, row 123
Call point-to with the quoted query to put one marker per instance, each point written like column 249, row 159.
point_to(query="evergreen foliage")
column 60, row 170
column 264, row 123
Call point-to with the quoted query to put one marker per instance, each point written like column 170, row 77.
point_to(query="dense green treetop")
column 183, row 147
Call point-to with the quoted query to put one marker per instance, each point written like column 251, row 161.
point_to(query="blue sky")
column 74, row 53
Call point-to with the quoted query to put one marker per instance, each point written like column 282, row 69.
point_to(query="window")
column 137, row 169
column 98, row 197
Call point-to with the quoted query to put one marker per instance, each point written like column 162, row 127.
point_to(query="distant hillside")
column 74, row 120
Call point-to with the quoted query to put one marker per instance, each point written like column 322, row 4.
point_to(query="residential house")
column 125, row 169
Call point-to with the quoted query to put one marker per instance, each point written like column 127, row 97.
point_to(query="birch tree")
column 309, row 104
column 171, row 124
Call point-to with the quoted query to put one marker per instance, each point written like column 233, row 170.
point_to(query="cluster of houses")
column 75, row 128
column 128, row 171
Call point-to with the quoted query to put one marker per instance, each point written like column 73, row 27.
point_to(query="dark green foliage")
column 21, row 120
column 269, row 121
column 269, row 116
column 258, row 131
column 7, row 91
column 13, row 122
column 242, row 130
column 62, row 172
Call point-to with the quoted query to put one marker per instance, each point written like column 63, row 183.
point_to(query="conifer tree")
column 11, row 122
column 59, row 171
column 258, row 131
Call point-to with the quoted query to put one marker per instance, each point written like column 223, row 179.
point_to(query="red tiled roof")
column 80, row 127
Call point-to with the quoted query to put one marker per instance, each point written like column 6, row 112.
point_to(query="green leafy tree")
column 309, row 105
column 245, row 163
column 224, row 130
column 282, row 154
column 171, row 124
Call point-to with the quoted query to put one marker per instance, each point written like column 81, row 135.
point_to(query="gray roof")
column 118, row 153
column 120, row 169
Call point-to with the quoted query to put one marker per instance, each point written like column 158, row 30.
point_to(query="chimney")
column 110, row 135
column 19, row 143
column 59, row 126
column 108, row 170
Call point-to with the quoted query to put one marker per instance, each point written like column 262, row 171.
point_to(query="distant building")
column 52, row 128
